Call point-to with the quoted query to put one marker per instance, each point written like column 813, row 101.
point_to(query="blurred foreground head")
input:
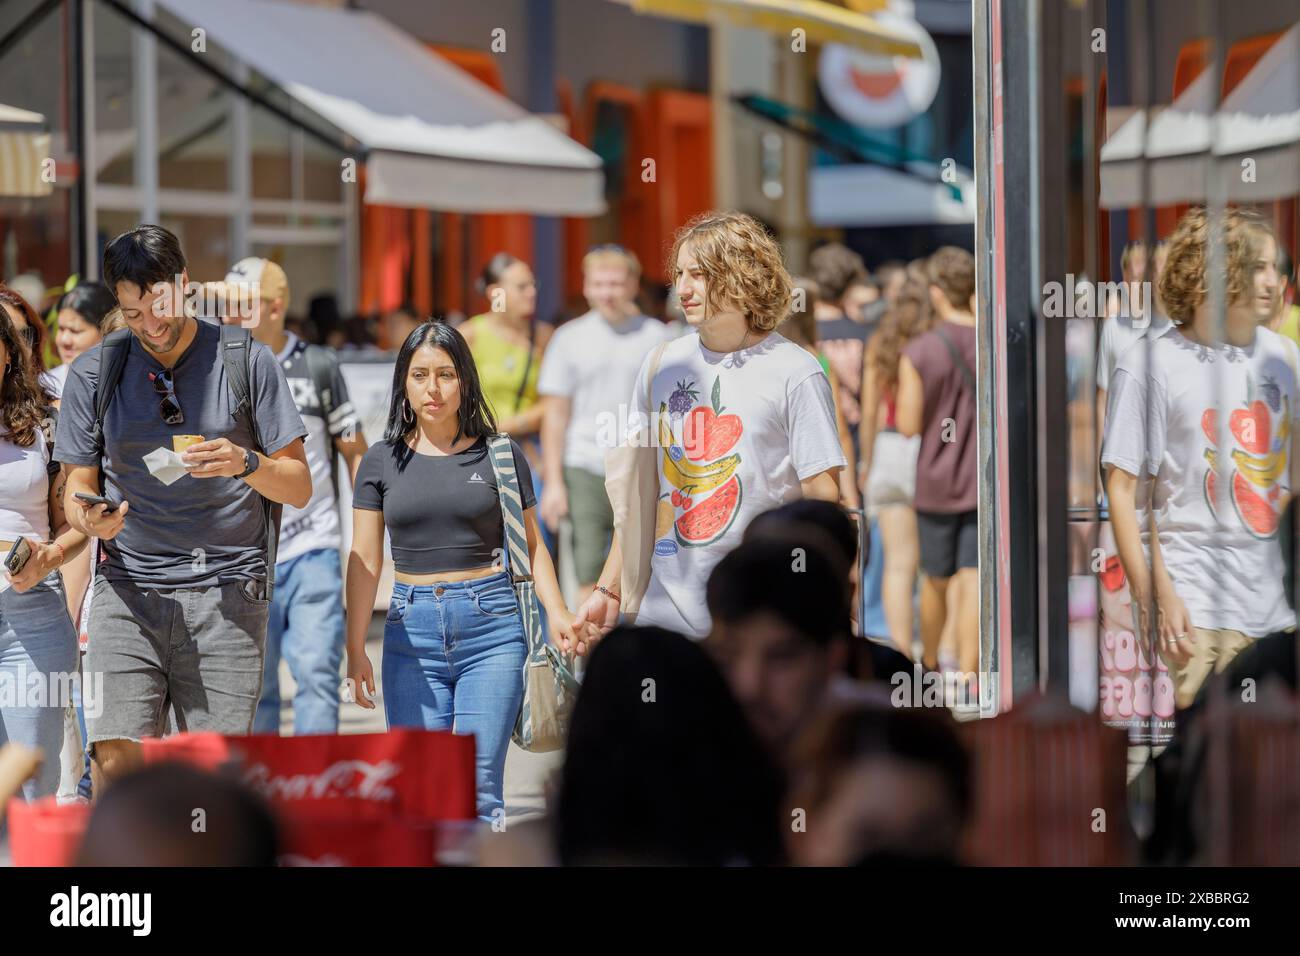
column 780, row 609
column 661, row 767
column 172, row 814
column 880, row 783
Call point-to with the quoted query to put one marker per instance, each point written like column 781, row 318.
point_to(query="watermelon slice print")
column 710, row 519
column 1256, row 513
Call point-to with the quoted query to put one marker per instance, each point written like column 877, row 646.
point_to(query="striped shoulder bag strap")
column 549, row 683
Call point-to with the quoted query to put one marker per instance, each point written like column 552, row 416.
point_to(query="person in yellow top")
column 507, row 343
column 1286, row 317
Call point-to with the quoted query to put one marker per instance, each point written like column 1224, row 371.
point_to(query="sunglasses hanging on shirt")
column 168, row 406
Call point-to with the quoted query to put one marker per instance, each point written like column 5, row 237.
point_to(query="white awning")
column 1183, row 149
column 24, row 145
column 436, row 137
column 867, row 195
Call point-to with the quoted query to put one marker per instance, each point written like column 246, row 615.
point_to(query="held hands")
column 218, row 458
column 597, row 616
column 564, row 635
column 45, row 558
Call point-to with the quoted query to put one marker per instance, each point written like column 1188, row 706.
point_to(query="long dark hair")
column 475, row 418
column 14, row 300
column 22, row 402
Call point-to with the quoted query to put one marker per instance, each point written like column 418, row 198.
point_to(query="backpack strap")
column 321, row 372
column 49, row 428
column 237, row 357
column 112, row 359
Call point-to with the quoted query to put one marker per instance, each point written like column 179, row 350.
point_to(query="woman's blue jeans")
column 38, row 660
column 453, row 660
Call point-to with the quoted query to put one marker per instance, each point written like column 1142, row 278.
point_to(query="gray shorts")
column 196, row 650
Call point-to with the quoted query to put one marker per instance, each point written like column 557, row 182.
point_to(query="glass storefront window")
column 36, row 232
column 194, row 131
column 321, row 171
column 206, row 242
column 272, row 159
column 114, row 88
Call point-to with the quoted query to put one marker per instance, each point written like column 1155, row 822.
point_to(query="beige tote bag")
column 632, row 483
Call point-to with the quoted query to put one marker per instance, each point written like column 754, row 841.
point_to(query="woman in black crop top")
column 454, row 644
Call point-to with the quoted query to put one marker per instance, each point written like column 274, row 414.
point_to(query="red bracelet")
column 608, row 593
column 63, row 555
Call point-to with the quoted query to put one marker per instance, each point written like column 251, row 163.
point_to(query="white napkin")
column 165, row 465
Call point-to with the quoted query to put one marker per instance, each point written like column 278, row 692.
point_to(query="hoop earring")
column 408, row 413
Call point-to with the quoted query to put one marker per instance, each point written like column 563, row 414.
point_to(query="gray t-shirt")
column 196, row 532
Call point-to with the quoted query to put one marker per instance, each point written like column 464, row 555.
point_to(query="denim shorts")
column 197, row 650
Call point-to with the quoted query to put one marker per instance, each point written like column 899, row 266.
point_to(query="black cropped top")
column 442, row 512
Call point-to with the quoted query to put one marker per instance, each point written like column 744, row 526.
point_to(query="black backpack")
column 236, row 356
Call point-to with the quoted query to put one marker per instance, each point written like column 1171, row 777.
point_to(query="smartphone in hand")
column 18, row 556
column 92, row 500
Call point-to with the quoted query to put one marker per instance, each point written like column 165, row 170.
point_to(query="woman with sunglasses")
column 36, row 633
column 31, row 331
column 454, row 643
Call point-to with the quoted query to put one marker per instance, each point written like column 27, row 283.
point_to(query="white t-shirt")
column 1195, row 406
column 593, row 364
column 1118, row 334
column 24, row 490
column 746, row 427
column 315, row 527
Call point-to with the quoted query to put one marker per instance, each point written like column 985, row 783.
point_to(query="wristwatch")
column 251, row 461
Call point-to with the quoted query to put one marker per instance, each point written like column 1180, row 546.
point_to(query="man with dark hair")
column 936, row 400
column 780, row 626
column 180, row 605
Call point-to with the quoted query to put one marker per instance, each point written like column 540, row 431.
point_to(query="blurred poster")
column 1134, row 691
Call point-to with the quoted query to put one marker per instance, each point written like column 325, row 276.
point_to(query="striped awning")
column 24, row 146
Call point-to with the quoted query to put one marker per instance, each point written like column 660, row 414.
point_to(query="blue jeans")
column 453, row 660
column 37, row 640
column 306, row 626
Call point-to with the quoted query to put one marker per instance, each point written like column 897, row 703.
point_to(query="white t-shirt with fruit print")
column 1208, row 432
column 737, row 432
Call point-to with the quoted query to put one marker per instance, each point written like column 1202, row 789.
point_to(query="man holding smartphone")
column 179, row 610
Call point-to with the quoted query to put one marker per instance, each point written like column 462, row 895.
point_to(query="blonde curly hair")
column 1183, row 286
column 742, row 264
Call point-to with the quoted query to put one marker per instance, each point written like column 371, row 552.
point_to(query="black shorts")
column 949, row 542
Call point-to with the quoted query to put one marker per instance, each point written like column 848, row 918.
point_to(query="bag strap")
column 112, row 359
column 321, row 372
column 656, row 358
column 528, row 365
column 502, row 454
column 958, row 359
column 236, row 356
